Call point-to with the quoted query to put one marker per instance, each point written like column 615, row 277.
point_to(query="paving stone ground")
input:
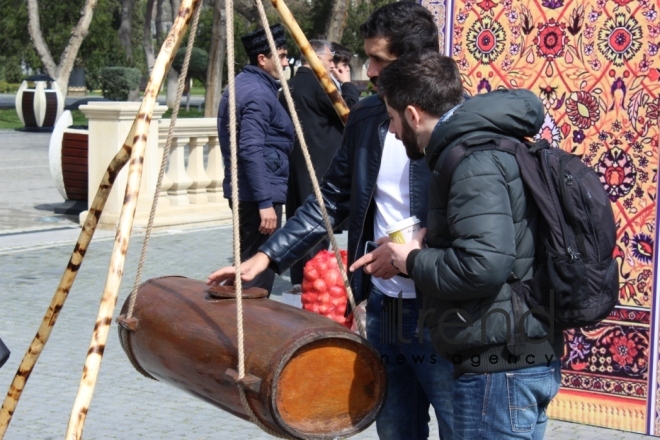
column 33, row 255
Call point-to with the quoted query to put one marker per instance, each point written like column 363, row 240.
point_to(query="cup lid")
column 402, row 224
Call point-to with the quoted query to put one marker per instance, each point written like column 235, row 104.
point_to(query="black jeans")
column 249, row 220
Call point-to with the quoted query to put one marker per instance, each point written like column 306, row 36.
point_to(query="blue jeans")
column 416, row 375
column 506, row 405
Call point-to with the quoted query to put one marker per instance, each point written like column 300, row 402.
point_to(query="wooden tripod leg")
column 68, row 277
column 122, row 238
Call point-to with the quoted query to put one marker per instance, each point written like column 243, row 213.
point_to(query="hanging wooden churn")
column 306, row 376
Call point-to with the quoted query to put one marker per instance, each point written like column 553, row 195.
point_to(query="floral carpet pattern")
column 595, row 66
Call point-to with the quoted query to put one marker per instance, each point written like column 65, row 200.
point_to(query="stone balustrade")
column 191, row 190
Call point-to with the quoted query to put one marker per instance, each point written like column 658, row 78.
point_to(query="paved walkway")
column 33, row 254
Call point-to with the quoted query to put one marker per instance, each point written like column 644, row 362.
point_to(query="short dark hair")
column 342, row 53
column 254, row 59
column 427, row 80
column 407, row 26
column 256, row 42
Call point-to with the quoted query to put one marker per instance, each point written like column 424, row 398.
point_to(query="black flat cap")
column 256, row 42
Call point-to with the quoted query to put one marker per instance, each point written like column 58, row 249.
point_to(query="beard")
column 409, row 140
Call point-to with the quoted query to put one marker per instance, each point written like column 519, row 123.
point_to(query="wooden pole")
column 323, row 76
column 118, row 257
column 66, row 282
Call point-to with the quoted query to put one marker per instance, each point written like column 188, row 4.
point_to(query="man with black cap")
column 265, row 138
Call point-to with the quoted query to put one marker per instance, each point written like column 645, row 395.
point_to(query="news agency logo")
column 395, row 316
column 394, row 312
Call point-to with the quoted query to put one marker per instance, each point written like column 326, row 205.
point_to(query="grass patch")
column 193, row 113
column 9, row 119
column 79, row 117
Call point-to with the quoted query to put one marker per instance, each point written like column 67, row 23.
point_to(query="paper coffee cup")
column 403, row 231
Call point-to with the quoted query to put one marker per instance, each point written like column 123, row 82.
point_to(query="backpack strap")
column 516, row 341
column 454, row 156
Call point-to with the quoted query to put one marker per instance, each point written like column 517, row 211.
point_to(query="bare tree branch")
column 62, row 71
column 34, row 26
column 337, row 21
column 247, row 9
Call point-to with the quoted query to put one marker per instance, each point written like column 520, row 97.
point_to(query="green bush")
column 199, row 61
column 6, row 87
column 117, row 82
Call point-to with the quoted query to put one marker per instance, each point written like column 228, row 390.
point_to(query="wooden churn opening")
column 309, row 377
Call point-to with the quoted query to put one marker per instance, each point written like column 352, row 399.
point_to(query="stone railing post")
column 109, row 124
column 215, row 171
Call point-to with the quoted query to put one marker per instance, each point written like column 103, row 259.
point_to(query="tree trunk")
column 176, row 4
column 337, row 21
column 62, row 71
column 248, row 9
column 147, row 41
column 172, row 86
column 173, row 75
column 160, row 32
column 125, row 29
column 216, row 61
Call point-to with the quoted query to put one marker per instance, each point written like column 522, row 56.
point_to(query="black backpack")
column 576, row 279
column 4, row 353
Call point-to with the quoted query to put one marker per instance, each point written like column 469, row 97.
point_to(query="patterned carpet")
column 595, row 66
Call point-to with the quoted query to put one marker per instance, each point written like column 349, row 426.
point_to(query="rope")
column 229, row 12
column 234, row 183
column 163, row 162
column 235, row 201
column 310, row 167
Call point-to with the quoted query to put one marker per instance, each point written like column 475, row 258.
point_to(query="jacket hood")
column 513, row 113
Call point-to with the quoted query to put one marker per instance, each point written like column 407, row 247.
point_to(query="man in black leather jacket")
column 372, row 178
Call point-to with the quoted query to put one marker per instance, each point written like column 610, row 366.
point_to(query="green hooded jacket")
column 483, row 237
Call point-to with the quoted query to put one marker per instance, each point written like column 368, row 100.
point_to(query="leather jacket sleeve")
column 306, row 229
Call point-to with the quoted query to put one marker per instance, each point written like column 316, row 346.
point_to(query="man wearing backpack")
column 479, row 242
column 372, row 179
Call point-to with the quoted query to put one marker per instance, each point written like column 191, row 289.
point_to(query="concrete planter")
column 38, row 108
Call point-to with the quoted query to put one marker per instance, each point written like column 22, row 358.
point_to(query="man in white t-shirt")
column 372, row 179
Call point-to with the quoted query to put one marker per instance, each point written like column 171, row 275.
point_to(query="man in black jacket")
column 478, row 239
column 372, row 179
column 322, row 128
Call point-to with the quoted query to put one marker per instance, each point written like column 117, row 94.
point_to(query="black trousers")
column 251, row 239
